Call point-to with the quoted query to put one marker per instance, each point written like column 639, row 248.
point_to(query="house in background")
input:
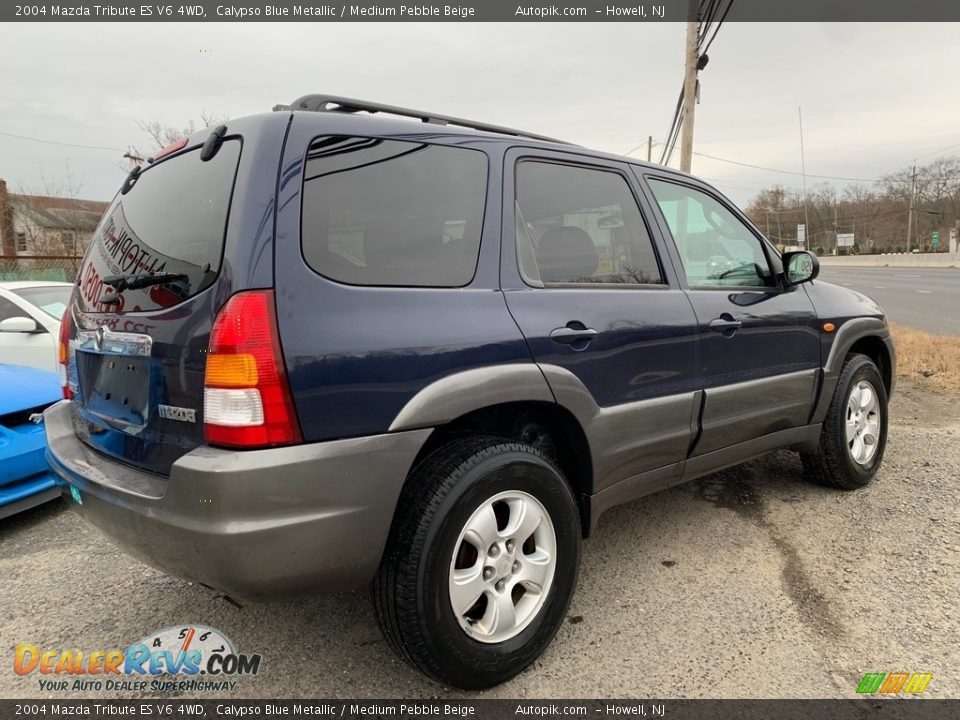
column 55, row 229
column 41, row 225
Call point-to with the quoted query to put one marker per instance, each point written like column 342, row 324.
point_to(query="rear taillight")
column 246, row 397
column 63, row 352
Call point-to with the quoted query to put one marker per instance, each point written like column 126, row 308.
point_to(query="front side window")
column 385, row 212
column 716, row 247
column 21, row 242
column 578, row 226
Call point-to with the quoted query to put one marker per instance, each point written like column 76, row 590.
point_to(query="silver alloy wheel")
column 502, row 566
column 863, row 422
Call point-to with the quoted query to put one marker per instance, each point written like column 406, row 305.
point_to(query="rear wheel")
column 854, row 431
column 481, row 563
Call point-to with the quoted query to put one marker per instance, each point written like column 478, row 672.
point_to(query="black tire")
column 411, row 594
column 832, row 464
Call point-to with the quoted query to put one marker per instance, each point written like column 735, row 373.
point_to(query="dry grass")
column 932, row 360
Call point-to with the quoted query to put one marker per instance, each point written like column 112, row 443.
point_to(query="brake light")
column 246, row 397
column 171, row 148
column 63, row 351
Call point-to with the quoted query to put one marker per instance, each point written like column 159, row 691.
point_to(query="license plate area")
column 114, row 373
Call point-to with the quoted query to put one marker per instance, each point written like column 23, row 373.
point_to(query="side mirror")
column 800, row 267
column 20, row 325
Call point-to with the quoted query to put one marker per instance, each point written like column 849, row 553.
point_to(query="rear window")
column 384, row 212
column 172, row 221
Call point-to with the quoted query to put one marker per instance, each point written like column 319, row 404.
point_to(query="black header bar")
column 473, row 11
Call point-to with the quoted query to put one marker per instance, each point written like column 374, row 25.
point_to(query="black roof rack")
column 332, row 103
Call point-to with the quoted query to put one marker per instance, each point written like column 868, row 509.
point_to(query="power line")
column 784, row 172
column 64, row 144
column 767, row 169
column 870, row 217
column 673, row 133
column 673, row 127
column 676, row 135
column 634, row 149
column 708, row 15
column 700, row 26
column 935, row 152
column 719, row 25
column 794, row 172
column 739, row 184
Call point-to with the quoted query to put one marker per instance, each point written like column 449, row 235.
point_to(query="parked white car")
column 30, row 312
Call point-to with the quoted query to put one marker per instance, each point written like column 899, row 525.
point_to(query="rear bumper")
column 254, row 524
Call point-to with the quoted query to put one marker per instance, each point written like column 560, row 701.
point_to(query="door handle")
column 569, row 335
column 725, row 324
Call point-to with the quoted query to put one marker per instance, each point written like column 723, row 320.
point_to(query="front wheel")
column 481, row 562
column 854, row 432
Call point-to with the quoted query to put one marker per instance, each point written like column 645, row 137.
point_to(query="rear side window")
column 384, row 212
column 172, row 222
column 580, row 226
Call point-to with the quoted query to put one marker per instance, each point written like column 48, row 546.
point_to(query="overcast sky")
column 874, row 96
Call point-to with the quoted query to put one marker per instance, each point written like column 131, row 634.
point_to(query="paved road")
column 748, row 583
column 924, row 298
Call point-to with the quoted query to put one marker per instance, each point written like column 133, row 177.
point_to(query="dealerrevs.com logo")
column 893, row 683
column 190, row 658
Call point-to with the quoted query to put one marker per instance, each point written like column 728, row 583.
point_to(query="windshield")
column 52, row 300
column 171, row 222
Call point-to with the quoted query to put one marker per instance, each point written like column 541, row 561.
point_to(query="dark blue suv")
column 322, row 348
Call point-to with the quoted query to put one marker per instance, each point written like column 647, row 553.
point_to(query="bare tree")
column 161, row 135
column 877, row 214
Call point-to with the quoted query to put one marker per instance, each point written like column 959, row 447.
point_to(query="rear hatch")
column 145, row 300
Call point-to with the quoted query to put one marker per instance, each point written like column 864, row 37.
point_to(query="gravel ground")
column 748, row 583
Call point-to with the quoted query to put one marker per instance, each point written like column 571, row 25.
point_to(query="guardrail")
column 915, row 260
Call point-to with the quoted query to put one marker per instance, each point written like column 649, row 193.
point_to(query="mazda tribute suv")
column 346, row 344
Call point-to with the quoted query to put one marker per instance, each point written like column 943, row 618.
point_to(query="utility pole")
column 913, row 192
column 133, row 157
column 836, row 225
column 649, row 148
column 803, row 167
column 690, row 84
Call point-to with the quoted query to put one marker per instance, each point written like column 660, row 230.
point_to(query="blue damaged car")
column 25, row 478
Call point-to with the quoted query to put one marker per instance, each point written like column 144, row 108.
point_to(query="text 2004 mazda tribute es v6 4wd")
column 320, row 348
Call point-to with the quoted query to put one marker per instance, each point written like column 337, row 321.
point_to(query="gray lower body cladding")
column 253, row 524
